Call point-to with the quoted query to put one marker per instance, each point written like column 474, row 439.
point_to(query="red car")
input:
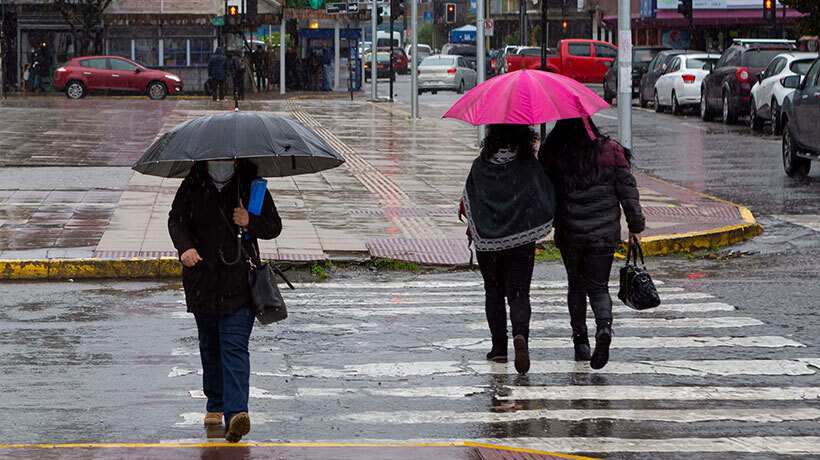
column 93, row 74
column 400, row 62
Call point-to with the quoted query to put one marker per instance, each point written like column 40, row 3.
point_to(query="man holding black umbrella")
column 205, row 218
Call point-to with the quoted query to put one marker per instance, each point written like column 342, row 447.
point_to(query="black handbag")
column 637, row 290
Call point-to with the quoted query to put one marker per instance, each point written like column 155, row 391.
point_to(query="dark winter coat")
column 212, row 287
column 588, row 212
column 238, row 71
column 218, row 65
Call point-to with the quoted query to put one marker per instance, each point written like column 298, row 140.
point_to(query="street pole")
column 481, row 63
column 282, row 53
column 625, row 73
column 391, row 54
column 374, row 95
column 544, row 25
column 2, row 24
column 522, row 14
column 414, row 73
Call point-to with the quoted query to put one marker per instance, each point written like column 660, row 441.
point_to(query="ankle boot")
column 522, row 354
column 581, row 341
column 603, row 337
column 498, row 353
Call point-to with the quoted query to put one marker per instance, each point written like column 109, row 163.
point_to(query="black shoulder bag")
column 266, row 299
column 637, row 290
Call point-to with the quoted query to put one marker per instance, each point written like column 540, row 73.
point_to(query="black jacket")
column 218, row 65
column 212, row 287
column 588, row 213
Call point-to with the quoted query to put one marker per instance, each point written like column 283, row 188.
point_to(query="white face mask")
column 221, row 171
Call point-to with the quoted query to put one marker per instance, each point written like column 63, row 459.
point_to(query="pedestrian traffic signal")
column 379, row 14
column 685, row 8
column 396, row 9
column 768, row 10
column 450, row 13
column 252, row 9
column 233, row 10
column 565, row 25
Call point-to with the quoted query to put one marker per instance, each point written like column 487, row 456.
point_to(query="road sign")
column 218, row 21
column 335, row 8
column 489, row 26
column 352, row 7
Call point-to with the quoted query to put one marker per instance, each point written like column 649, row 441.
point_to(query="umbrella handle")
column 238, row 233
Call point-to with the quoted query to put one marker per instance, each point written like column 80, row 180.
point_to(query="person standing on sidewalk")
column 509, row 204
column 593, row 180
column 260, row 68
column 217, row 292
column 238, row 73
column 327, row 63
column 218, row 72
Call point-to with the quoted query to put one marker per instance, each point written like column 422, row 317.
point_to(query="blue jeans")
column 38, row 82
column 226, row 366
column 327, row 83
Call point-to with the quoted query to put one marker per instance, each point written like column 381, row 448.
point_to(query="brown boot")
column 213, row 418
column 240, row 426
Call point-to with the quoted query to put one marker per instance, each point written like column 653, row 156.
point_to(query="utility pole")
column 374, row 95
column 414, row 43
column 625, row 73
column 392, row 4
column 544, row 26
column 2, row 38
column 480, row 51
column 522, row 22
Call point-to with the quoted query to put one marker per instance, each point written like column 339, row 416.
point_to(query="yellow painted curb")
column 283, row 444
column 61, row 269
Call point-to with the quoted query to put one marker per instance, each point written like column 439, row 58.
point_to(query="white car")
column 442, row 72
column 768, row 93
column 424, row 51
column 679, row 85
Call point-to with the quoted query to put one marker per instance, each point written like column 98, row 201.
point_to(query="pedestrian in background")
column 260, row 68
column 238, row 74
column 38, row 69
column 509, row 204
column 218, row 72
column 327, row 63
column 216, row 292
column 593, row 180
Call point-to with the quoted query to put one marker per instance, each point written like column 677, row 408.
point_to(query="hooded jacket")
column 588, row 211
column 211, row 286
column 218, row 65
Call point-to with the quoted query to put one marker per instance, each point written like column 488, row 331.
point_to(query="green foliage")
column 511, row 40
column 318, row 268
column 298, row 4
column 426, row 33
column 392, row 264
column 806, row 25
column 547, row 252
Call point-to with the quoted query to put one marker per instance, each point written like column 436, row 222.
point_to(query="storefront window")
column 201, row 50
column 119, row 47
column 175, row 54
column 147, row 51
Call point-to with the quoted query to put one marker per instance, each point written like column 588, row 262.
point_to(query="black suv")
column 646, row 90
column 727, row 88
column 801, row 122
column 641, row 56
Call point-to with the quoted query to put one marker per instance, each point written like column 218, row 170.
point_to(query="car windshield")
column 698, row 63
column 463, row 51
column 530, row 52
column 801, row 67
column 435, row 61
column 759, row 57
column 643, row 55
column 382, row 58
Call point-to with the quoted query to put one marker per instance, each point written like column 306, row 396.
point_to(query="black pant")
column 219, row 89
column 239, row 89
column 588, row 275
column 261, row 80
column 508, row 273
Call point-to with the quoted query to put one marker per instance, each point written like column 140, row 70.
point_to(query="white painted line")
column 640, row 393
column 433, row 285
column 636, row 342
column 577, row 415
column 410, row 294
column 447, row 392
column 610, row 117
column 716, row 322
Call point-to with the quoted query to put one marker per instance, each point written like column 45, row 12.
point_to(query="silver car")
column 442, row 72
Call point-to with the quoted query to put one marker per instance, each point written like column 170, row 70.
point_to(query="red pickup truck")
column 580, row 59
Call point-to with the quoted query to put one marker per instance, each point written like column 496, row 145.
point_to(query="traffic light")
column 379, row 13
column 396, row 9
column 768, row 10
column 252, row 9
column 685, row 8
column 565, row 26
column 450, row 13
column 233, row 13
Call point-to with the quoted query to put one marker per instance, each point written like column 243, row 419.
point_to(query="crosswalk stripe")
column 636, row 342
column 639, row 393
column 759, row 367
column 651, row 323
column 433, row 285
column 416, row 293
column 462, row 300
column 773, row 415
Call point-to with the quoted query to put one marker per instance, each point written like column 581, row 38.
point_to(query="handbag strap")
column 239, row 242
column 633, row 252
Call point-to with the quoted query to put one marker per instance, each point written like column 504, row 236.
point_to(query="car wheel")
column 705, row 112
column 75, row 90
column 792, row 164
column 675, row 104
column 774, row 128
column 157, row 91
column 729, row 115
column 658, row 107
column 460, row 89
column 641, row 101
column 754, row 121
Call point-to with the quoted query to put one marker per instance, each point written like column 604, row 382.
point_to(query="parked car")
column 679, row 86
column 423, row 52
column 726, row 90
column 641, row 56
column 468, row 53
column 501, row 58
column 801, row 121
column 768, row 93
column 382, row 66
column 656, row 67
column 93, row 74
column 400, row 62
column 581, row 59
column 441, row 72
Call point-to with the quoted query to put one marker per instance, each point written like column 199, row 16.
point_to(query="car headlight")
column 173, row 77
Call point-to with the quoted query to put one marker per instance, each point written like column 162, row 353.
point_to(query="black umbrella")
column 278, row 146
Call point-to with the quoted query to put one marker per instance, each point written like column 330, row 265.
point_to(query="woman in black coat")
column 508, row 202
column 593, row 181
column 203, row 223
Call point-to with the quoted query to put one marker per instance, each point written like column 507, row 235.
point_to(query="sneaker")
column 522, row 354
column 213, row 418
column 240, row 426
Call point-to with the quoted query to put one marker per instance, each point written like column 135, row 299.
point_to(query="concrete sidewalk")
column 395, row 198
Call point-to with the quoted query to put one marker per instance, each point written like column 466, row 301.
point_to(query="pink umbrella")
column 526, row 97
